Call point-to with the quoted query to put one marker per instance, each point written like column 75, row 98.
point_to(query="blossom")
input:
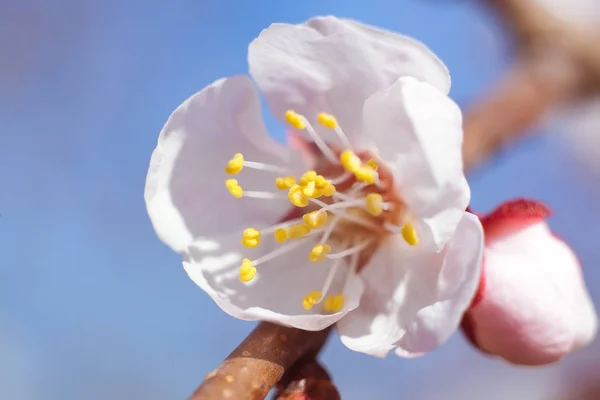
column 361, row 222
column 532, row 306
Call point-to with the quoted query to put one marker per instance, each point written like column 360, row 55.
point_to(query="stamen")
column 350, row 251
column 343, row 196
column 372, row 164
column 318, row 252
column 298, row 231
column 285, row 182
column 265, row 167
column 366, row 175
column 235, row 165
column 251, row 238
column 262, row 195
column 299, row 122
column 342, row 205
column 408, row 232
column 285, row 224
column 278, row 252
column 329, row 121
column 374, row 203
column 247, row 270
column 330, row 276
column 297, row 197
column 334, row 303
column 311, row 299
column 330, row 229
column 349, row 217
column 341, row 178
column 314, row 220
column 307, row 177
column 350, row 161
column 233, row 187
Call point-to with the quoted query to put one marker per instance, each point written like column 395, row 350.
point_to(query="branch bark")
column 557, row 63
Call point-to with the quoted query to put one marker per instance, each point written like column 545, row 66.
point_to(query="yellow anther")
column 372, row 164
column 234, row 188
column 251, row 237
column 311, row 191
column 329, row 190
column 311, row 299
column 318, row 252
column 235, row 165
column 298, row 231
column 315, row 219
column 327, row 120
column 333, row 304
column 297, row 197
column 350, row 161
column 247, row 270
column 307, row 177
column 409, row 233
column 365, row 174
column 321, row 182
column 374, row 204
column 231, row 183
column 294, row 119
column 285, row 183
column 281, row 234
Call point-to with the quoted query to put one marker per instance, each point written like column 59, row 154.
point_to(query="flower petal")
column 534, row 308
column 414, row 299
column 332, row 65
column 418, row 130
column 277, row 291
column 185, row 188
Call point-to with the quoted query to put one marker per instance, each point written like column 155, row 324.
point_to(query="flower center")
column 347, row 205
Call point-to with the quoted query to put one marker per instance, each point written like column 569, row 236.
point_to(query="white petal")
column 276, row 293
column 415, row 299
column 535, row 307
column 185, row 188
column 332, row 65
column 418, row 130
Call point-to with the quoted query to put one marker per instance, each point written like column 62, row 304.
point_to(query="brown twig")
column 259, row 362
column 557, row 63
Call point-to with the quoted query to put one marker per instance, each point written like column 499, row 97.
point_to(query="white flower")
column 374, row 223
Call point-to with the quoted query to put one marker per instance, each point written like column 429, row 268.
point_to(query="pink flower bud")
column 532, row 306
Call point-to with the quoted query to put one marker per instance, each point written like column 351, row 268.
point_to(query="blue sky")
column 92, row 304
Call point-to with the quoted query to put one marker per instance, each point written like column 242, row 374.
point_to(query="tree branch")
column 556, row 64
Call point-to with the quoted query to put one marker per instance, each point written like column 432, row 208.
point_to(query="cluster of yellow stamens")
column 306, row 190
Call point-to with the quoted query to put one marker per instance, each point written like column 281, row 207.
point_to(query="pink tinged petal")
column 276, row 293
column 332, row 65
column 415, row 299
column 534, row 307
column 418, row 130
column 185, row 188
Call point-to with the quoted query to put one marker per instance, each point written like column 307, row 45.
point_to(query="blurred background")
column 93, row 306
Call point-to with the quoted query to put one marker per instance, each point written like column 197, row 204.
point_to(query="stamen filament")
column 350, row 251
column 327, row 152
column 330, row 228
column 262, row 195
column 349, row 217
column 329, row 279
column 341, row 178
column 343, row 138
column 342, row 205
column 265, row 167
column 278, row 252
column 343, row 196
column 352, row 267
column 285, row 224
